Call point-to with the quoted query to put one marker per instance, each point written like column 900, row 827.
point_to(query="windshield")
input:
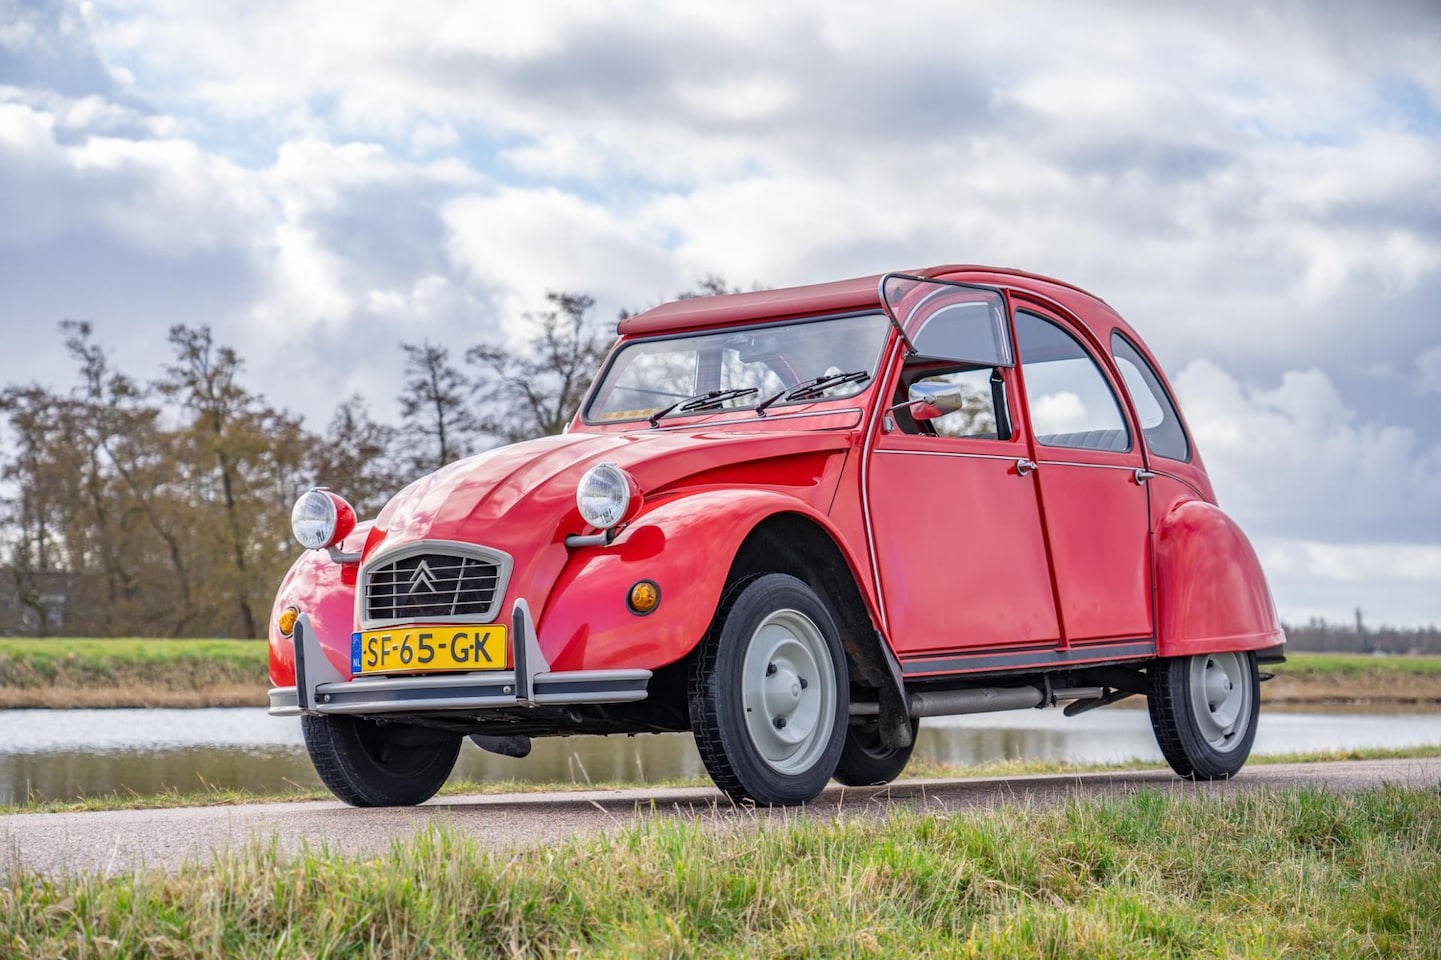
column 752, row 367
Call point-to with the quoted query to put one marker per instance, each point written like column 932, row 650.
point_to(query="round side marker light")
column 644, row 597
column 286, row 621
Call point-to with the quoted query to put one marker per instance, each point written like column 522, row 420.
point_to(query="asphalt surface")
column 110, row 842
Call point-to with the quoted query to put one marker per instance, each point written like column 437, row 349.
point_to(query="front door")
column 954, row 510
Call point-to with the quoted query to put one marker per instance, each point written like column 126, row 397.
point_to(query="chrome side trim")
column 1028, row 659
column 284, row 702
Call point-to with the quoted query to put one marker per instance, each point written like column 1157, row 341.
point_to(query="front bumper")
column 321, row 689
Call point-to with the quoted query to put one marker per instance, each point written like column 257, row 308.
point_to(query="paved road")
column 121, row 841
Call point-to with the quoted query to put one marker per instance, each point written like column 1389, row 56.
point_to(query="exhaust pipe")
column 948, row 703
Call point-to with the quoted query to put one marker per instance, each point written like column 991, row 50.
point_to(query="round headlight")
column 607, row 496
column 320, row 519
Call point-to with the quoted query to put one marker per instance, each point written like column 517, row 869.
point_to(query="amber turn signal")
column 286, row 621
column 644, row 597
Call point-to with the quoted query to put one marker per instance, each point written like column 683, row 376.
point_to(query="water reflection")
column 66, row 753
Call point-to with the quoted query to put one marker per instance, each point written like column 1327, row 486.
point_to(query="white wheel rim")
column 788, row 692
column 1221, row 698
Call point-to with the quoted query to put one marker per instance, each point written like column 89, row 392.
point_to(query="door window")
column 1072, row 404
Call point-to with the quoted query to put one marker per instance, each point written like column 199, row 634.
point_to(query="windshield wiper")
column 701, row 401
column 812, row 388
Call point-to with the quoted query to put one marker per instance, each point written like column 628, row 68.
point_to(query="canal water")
column 68, row 753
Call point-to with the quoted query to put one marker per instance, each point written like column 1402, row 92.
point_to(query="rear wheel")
column 1204, row 710
column 367, row 764
column 865, row 759
column 770, row 692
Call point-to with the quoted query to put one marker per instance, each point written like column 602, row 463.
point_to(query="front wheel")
column 368, row 764
column 770, row 693
column 1204, row 710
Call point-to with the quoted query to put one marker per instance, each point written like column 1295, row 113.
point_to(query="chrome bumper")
column 321, row 689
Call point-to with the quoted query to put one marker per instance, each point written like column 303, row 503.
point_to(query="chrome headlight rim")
column 606, row 495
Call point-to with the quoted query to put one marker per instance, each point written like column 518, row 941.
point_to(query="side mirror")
column 927, row 401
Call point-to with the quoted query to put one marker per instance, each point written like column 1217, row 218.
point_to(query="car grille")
column 432, row 586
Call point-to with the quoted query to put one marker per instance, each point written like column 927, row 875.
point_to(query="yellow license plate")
column 430, row 648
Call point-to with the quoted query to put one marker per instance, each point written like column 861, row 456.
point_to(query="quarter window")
column 1072, row 404
column 1160, row 423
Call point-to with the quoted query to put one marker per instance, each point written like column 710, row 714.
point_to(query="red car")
column 794, row 522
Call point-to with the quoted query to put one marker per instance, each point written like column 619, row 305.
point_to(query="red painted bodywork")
column 952, row 551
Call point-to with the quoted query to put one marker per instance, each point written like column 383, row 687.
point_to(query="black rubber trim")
column 302, row 690
column 1021, row 659
column 551, row 688
column 518, row 644
column 341, row 695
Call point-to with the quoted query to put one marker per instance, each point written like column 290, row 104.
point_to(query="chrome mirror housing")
column 927, row 401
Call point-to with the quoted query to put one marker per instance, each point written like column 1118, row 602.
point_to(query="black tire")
column 1204, row 710
column 866, row 761
column 767, row 732
column 367, row 764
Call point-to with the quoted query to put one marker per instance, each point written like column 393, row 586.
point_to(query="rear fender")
column 1211, row 592
column 324, row 592
column 686, row 545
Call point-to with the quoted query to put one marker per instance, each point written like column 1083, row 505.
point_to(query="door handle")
column 1024, row 466
column 1143, row 475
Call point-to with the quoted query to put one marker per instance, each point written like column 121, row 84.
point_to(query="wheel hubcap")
column 786, row 691
column 1221, row 698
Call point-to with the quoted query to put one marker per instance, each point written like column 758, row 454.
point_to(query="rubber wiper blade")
column 700, row 401
column 807, row 387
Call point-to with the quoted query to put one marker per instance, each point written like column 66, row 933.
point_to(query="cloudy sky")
column 1256, row 186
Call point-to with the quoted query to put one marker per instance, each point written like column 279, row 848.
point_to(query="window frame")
column 877, row 368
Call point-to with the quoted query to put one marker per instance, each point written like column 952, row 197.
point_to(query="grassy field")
column 1288, row 874
column 131, row 672
column 1351, row 677
column 916, row 770
column 227, row 673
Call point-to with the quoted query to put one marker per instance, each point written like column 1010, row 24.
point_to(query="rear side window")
column 1160, row 423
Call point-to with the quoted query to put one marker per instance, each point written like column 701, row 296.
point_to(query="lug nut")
column 770, row 669
column 804, row 683
column 780, row 722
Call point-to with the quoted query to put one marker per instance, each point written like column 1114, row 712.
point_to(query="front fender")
column 1212, row 593
column 324, row 591
column 685, row 544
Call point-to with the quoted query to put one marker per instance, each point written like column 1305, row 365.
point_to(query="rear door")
column 1093, row 499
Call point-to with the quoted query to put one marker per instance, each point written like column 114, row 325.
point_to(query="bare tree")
column 356, row 457
column 246, row 460
column 439, row 426
column 535, row 391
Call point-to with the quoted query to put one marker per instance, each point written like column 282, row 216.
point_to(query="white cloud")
column 1257, row 189
column 1428, row 367
column 1296, row 461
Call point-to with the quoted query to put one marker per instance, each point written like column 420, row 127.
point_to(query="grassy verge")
column 1296, row 873
column 232, row 673
column 917, row 770
column 1354, row 677
column 132, row 673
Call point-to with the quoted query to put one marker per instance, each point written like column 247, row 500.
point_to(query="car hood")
column 527, row 489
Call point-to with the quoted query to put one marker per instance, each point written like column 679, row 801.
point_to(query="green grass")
column 918, row 770
column 1351, row 664
column 1285, row 874
column 77, row 672
column 57, row 651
